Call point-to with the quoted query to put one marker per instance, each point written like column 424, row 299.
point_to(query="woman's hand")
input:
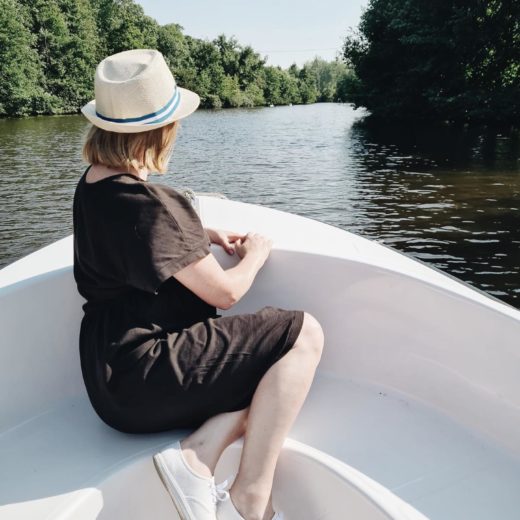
column 254, row 244
column 224, row 238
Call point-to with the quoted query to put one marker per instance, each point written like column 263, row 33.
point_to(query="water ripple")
column 446, row 197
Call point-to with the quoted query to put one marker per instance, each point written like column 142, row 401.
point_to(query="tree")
column 228, row 49
column 123, row 25
column 21, row 92
column 67, row 45
column 52, row 42
column 347, row 85
column 455, row 60
column 81, row 54
column 249, row 66
column 172, row 44
column 308, row 84
column 327, row 76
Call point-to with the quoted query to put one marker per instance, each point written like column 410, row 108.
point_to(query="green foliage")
column 65, row 42
column 49, row 50
column 277, row 84
column 123, row 25
column 20, row 70
column 329, row 77
column 81, row 54
column 456, row 60
column 172, row 44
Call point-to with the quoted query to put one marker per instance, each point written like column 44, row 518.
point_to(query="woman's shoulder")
column 159, row 189
column 169, row 209
column 127, row 197
column 170, row 198
column 142, row 192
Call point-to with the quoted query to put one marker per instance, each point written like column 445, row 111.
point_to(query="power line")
column 303, row 50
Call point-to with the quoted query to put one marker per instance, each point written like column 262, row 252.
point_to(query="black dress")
column 154, row 356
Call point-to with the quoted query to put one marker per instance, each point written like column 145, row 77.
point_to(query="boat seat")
column 52, row 465
column 312, row 485
column 67, row 464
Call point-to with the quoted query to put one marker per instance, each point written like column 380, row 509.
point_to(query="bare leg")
column 275, row 405
column 203, row 447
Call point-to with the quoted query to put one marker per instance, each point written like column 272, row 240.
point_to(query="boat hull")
column 417, row 388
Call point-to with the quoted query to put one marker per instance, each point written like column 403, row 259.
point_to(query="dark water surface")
column 448, row 197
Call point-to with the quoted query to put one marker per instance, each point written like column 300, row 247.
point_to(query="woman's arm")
column 223, row 288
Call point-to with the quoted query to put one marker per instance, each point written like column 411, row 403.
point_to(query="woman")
column 155, row 355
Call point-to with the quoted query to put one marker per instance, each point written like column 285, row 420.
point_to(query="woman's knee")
column 311, row 337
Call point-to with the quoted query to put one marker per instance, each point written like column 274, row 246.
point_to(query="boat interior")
column 414, row 412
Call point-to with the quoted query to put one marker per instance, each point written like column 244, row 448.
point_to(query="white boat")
column 414, row 412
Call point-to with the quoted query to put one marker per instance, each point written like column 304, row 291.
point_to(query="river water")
column 448, row 197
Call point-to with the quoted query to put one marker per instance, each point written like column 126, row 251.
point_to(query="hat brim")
column 188, row 104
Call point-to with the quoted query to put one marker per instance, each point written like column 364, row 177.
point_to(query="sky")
column 287, row 31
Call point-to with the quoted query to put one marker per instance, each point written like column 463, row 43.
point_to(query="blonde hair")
column 151, row 149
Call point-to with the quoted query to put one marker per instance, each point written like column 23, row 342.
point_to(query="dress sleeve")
column 166, row 235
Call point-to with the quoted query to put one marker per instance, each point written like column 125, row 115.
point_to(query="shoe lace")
column 219, row 492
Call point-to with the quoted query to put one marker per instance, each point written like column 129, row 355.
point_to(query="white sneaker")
column 194, row 496
column 226, row 510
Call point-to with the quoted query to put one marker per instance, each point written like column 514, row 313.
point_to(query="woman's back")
column 129, row 236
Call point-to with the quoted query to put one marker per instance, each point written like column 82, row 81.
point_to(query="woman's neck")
column 142, row 174
column 100, row 171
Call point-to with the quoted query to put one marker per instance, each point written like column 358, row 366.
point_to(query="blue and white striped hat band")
column 155, row 117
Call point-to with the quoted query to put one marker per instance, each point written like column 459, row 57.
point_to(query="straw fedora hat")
column 136, row 92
